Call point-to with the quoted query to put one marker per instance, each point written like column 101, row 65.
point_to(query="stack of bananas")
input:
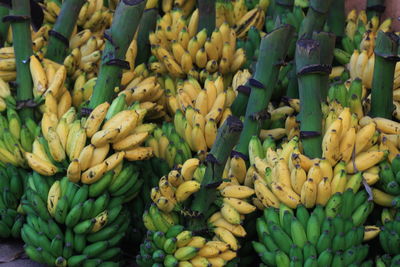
column 389, row 236
column 386, row 261
column 146, row 90
column 168, row 243
column 94, row 15
column 8, row 57
column 330, row 236
column 245, row 19
column 198, row 112
column 123, row 131
column 12, row 188
column 67, row 226
column 351, row 151
column 49, row 83
column 177, row 187
column 181, row 51
column 168, row 145
column 16, row 138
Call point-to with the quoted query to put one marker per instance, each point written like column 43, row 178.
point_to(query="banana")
column 364, row 161
column 139, row 153
column 264, row 194
column 241, row 206
column 130, row 141
column 85, row 157
column 53, row 197
column 39, row 165
column 56, row 149
column 186, row 189
column 188, row 168
column 96, row 118
column 237, row 191
column 74, row 171
column 94, row 173
column 104, row 137
column 227, row 237
column 38, row 76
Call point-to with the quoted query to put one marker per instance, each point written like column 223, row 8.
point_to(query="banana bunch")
column 168, row 243
column 16, row 138
column 49, row 84
column 168, row 145
column 330, row 236
column 360, row 33
column 94, row 15
column 178, row 185
column 148, row 91
column 12, row 184
column 245, row 19
column 84, row 58
column 386, row 192
column 66, row 225
column 389, row 236
column 179, row 50
column 7, row 54
column 122, row 130
column 187, row 6
column 349, row 157
column 198, row 112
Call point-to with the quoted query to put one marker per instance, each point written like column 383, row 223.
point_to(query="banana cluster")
column 360, row 33
column 94, row 15
column 389, row 236
column 122, row 131
column 168, row 145
column 8, row 57
column 330, row 236
column 170, row 244
column 199, row 112
column 387, row 260
column 181, row 51
column 16, row 138
column 147, row 90
column 12, row 188
column 67, row 226
column 176, row 187
column 246, row 19
column 352, row 151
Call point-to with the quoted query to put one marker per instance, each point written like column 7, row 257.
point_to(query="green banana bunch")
column 12, row 184
column 16, row 138
column 389, row 236
column 168, row 145
column 387, row 260
column 328, row 236
column 251, row 47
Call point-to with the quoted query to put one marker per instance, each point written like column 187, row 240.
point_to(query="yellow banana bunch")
column 252, row 18
column 182, row 51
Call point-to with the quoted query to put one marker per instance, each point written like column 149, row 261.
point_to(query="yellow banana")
column 139, row 153
column 96, row 118
column 186, row 189
column 74, row 171
column 39, row 165
column 94, row 173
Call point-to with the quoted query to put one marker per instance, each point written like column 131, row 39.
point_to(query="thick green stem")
column 22, row 43
column 309, row 72
column 239, row 105
column 59, row 36
column 375, row 8
column 386, row 48
column 327, row 44
column 119, row 36
column 337, row 18
column 293, row 86
column 147, row 24
column 207, row 15
column 227, row 138
column 315, row 19
column 3, row 25
column 264, row 81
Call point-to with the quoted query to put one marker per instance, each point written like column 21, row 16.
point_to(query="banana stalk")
column 263, row 82
column 337, row 18
column 292, row 90
column 326, row 44
column 382, row 84
column 375, row 8
column 22, row 43
column 315, row 19
column 59, row 36
column 147, row 24
column 207, row 15
column 239, row 105
column 309, row 71
column 227, row 138
column 3, row 25
column 119, row 36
